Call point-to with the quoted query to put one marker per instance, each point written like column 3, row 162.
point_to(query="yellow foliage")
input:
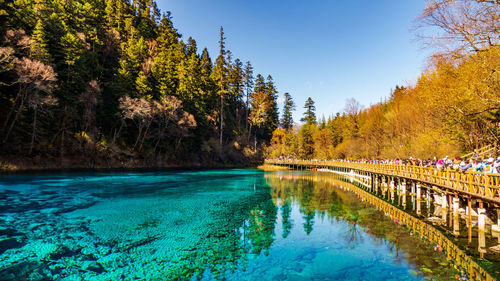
column 83, row 137
column 446, row 112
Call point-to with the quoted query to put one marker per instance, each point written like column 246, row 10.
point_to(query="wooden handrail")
column 481, row 151
column 483, row 185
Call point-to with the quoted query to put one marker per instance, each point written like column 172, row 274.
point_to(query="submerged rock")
column 9, row 243
column 18, row 270
column 93, row 266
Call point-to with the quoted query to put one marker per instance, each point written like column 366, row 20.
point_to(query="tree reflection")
column 353, row 235
column 235, row 233
column 340, row 201
column 286, row 210
column 309, row 222
column 261, row 227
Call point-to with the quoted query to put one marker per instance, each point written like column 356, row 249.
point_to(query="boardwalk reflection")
column 442, row 224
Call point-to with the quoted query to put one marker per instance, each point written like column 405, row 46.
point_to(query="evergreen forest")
column 112, row 83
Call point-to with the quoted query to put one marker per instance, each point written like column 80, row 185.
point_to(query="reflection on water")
column 233, row 224
column 363, row 223
column 453, row 221
column 451, row 229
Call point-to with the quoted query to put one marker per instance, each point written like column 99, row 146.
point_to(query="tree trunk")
column 249, row 133
column 160, row 137
column 33, row 132
column 145, row 135
column 221, row 117
column 117, row 134
column 11, row 111
column 246, row 113
column 138, row 136
column 63, row 130
column 178, row 143
column 15, row 119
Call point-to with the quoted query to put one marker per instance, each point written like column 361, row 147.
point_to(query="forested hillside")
column 112, row 83
column 453, row 107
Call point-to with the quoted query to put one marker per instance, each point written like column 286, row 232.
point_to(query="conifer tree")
column 273, row 112
column 288, row 108
column 39, row 49
column 306, row 141
column 309, row 114
column 248, row 88
column 167, row 34
column 206, row 70
column 190, row 83
column 264, row 114
column 131, row 63
column 220, row 74
column 237, row 76
column 191, row 47
column 260, row 84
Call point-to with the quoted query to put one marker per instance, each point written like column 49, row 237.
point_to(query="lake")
column 240, row 224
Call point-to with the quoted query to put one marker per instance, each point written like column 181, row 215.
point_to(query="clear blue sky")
column 330, row 50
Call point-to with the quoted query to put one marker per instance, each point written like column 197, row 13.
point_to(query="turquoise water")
column 208, row 225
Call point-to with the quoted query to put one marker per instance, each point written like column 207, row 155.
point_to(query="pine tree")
column 143, row 86
column 219, row 74
column 39, row 48
column 131, row 63
column 248, row 88
column 306, row 141
column 191, row 47
column 167, row 34
column 190, row 83
column 165, row 70
column 206, row 70
column 115, row 13
column 309, row 114
column 237, row 76
column 110, row 11
column 72, row 48
column 260, row 84
column 147, row 14
column 273, row 111
column 288, row 108
column 264, row 114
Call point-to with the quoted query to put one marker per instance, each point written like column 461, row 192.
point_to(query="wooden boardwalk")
column 473, row 185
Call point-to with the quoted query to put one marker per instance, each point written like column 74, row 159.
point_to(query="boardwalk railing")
column 482, row 185
column 481, row 152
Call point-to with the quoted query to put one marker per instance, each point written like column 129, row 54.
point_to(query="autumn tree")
column 460, row 25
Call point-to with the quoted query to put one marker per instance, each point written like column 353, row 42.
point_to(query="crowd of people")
column 488, row 164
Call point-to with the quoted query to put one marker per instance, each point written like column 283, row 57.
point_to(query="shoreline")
column 10, row 168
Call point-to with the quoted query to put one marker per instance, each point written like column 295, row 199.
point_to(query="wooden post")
column 481, row 247
column 481, row 216
column 469, row 224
